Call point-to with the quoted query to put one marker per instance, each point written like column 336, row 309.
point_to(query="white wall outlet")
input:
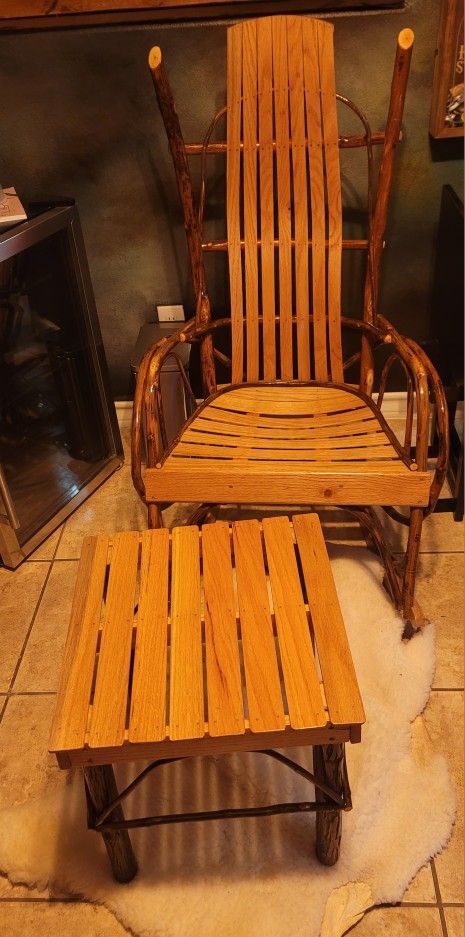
column 171, row 313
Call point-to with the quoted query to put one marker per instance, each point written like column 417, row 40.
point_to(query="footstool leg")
column 102, row 790
column 329, row 767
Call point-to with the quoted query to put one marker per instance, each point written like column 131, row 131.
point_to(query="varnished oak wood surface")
column 109, row 709
column 148, row 702
column 151, row 608
column 186, row 682
column 297, row 443
column 283, row 176
column 283, row 210
column 224, row 682
column 72, row 708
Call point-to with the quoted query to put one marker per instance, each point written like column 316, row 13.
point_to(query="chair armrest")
column 442, row 417
column 382, row 334
column 418, row 374
column 147, row 402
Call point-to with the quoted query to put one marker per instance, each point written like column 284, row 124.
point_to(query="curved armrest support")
column 147, row 402
column 437, row 390
column 385, row 334
column 419, row 376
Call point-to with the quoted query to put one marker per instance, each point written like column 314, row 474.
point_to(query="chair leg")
column 154, row 517
column 328, row 766
column 411, row 560
column 101, row 790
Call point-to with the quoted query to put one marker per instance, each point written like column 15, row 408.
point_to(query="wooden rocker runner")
column 191, row 643
column 288, row 427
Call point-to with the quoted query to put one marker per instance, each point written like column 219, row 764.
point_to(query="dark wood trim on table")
column 62, row 14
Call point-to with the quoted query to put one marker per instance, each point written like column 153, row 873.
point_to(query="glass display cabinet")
column 59, row 437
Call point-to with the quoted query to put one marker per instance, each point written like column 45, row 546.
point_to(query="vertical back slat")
column 265, row 134
column 249, row 92
column 317, row 195
column 281, row 104
column 299, row 166
column 148, row 702
column 108, row 721
column 186, row 677
column 233, row 180
column 333, row 186
column 224, row 695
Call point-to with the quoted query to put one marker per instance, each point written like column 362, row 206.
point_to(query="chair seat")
column 191, row 642
column 300, row 443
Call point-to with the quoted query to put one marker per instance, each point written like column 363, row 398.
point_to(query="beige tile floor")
column 35, row 602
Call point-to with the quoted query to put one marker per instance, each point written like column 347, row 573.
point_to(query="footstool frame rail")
column 341, row 801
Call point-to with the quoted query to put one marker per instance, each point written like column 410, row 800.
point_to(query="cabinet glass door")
column 56, row 434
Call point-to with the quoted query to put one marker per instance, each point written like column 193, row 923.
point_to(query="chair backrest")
column 284, row 219
column 284, row 216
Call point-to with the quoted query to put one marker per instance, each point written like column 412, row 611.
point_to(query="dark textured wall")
column 78, row 117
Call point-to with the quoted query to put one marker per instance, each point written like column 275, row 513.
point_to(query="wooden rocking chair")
column 288, row 429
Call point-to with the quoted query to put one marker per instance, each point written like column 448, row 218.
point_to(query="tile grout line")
column 13, row 899
column 31, row 625
column 431, row 553
column 447, row 689
column 414, row 904
column 439, row 898
column 31, row 693
column 57, row 559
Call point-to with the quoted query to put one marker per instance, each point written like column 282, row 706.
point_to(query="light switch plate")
column 171, row 313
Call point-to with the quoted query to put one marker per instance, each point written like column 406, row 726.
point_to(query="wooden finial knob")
column 406, row 38
column 154, row 57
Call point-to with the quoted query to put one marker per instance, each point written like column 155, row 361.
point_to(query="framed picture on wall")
column 448, row 81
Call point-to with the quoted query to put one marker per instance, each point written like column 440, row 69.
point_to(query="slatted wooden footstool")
column 196, row 642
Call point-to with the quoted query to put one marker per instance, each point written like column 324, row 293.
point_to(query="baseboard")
column 123, row 411
column 394, row 405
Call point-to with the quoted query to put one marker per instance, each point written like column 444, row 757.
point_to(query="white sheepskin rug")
column 259, row 877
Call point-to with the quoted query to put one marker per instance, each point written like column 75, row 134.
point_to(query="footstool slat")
column 108, row 719
column 224, row 682
column 187, row 720
column 266, row 712
column 303, row 692
column 72, row 709
column 148, row 702
column 339, row 678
